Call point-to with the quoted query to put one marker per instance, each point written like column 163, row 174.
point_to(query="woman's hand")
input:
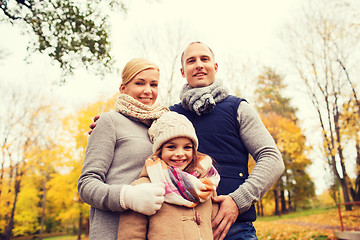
column 144, row 198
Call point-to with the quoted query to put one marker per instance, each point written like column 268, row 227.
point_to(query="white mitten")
column 144, row 198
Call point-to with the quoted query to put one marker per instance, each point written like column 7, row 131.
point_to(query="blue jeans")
column 241, row 231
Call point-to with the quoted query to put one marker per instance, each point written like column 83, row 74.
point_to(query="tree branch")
column 5, row 10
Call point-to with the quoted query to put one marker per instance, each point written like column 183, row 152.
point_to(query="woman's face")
column 143, row 87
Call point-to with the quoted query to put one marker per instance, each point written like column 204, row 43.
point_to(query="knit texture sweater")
column 115, row 154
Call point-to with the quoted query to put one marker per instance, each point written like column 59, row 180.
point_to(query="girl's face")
column 143, row 87
column 177, row 152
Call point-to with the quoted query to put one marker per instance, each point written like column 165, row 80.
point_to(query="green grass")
column 294, row 214
column 67, row 237
column 61, row 237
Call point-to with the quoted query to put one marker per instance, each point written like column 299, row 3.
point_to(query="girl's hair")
column 194, row 165
column 135, row 66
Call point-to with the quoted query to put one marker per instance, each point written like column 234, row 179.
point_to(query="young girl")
column 190, row 180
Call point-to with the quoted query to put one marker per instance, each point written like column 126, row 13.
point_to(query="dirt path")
column 318, row 226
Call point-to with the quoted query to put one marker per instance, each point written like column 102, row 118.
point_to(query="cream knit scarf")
column 202, row 100
column 136, row 110
column 182, row 188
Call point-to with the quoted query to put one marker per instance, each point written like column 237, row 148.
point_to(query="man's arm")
column 269, row 163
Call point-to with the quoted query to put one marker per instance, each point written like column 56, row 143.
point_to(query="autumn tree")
column 350, row 129
column 27, row 122
column 44, row 164
column 76, row 126
column 294, row 187
column 238, row 74
column 72, row 33
column 323, row 35
column 27, row 211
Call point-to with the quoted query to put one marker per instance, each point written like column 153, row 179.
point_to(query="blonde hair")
column 134, row 67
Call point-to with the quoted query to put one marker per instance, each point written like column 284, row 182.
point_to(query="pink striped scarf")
column 182, row 188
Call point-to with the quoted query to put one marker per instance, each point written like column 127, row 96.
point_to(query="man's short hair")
column 195, row 42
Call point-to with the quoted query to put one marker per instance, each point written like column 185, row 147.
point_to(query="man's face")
column 199, row 67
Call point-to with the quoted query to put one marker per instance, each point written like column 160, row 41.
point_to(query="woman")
column 116, row 152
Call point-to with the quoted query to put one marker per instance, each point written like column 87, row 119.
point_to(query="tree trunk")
column 2, row 170
column 80, row 224
column 43, row 206
column 346, row 195
column 345, row 181
column 9, row 227
column 3, row 149
column 355, row 193
column 259, row 208
column 283, row 201
column 290, row 208
column 87, row 230
column 276, row 199
column 276, row 203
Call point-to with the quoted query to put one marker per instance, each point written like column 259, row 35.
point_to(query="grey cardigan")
column 115, row 155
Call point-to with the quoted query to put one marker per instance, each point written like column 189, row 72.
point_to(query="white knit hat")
column 171, row 125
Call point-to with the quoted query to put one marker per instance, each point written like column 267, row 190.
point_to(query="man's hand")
column 93, row 124
column 225, row 217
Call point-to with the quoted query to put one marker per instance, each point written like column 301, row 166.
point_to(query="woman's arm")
column 92, row 185
column 133, row 225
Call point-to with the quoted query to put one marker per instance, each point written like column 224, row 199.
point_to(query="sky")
column 246, row 28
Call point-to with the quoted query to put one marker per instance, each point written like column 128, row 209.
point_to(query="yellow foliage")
column 287, row 135
column 55, row 165
column 78, row 125
column 27, row 211
column 6, row 199
column 325, row 199
column 62, row 194
column 350, row 121
column 333, row 151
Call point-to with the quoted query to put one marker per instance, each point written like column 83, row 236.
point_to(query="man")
column 228, row 130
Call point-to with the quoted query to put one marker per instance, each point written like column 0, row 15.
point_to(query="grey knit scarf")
column 202, row 100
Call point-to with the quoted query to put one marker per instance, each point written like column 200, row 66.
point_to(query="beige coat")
column 170, row 222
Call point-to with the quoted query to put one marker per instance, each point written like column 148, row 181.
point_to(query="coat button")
column 197, row 218
column 241, row 174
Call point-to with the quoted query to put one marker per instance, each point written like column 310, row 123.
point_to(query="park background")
column 295, row 61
